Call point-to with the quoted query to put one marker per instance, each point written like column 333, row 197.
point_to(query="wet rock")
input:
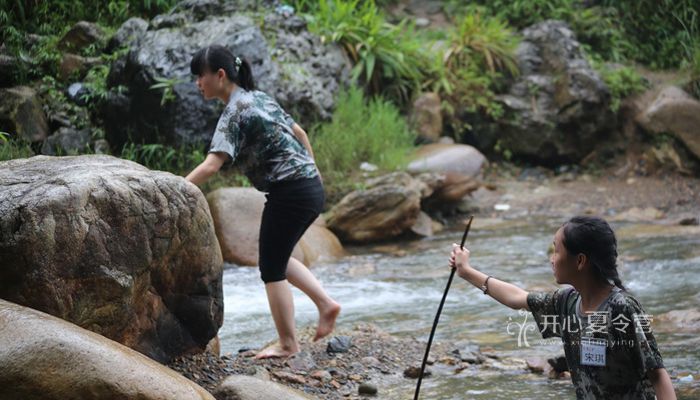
column 689, row 221
column 339, row 344
column 46, row 358
column 367, row 389
column 386, row 209
column 289, row 377
column 80, row 36
column 414, row 372
column 241, row 387
column 294, row 66
column 538, row 365
column 21, row 114
column 237, row 213
column 426, row 116
column 113, row 247
column 558, row 364
column 558, row 109
column 301, row 361
column 423, row 226
column 322, row 375
column 67, row 141
column 675, row 112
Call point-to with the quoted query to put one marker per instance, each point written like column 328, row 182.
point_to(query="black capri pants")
column 291, row 207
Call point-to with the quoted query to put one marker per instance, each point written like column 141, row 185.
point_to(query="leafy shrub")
column 387, row 58
column 622, row 82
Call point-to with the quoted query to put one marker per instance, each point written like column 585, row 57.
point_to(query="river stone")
column 242, row 387
column 46, row 358
column 237, row 213
column 558, row 109
column 288, row 62
column 21, row 114
column 385, row 209
column 675, row 112
column 80, row 36
column 113, row 247
column 426, row 116
column 339, row 344
column 367, row 389
column 67, row 141
column 438, row 157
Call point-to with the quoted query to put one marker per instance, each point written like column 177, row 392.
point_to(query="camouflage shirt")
column 619, row 327
column 257, row 134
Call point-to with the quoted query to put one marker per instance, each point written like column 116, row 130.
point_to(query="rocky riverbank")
column 355, row 363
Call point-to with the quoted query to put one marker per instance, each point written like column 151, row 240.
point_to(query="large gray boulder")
column 288, row 62
column 113, row 247
column 558, row 109
column 45, row 358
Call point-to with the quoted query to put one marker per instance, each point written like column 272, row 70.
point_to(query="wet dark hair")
column 593, row 237
column 215, row 57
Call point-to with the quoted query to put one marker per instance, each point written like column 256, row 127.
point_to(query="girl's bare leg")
column 328, row 310
column 279, row 296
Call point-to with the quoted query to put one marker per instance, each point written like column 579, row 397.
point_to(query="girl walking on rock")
column 274, row 152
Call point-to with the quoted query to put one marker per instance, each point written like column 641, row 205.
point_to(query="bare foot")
column 326, row 320
column 275, row 351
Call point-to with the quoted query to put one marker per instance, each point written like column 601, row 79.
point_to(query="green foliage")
column 11, row 148
column 692, row 65
column 479, row 53
column 661, row 33
column 361, row 131
column 168, row 86
column 164, row 158
column 45, row 16
column 622, row 82
column 387, row 58
column 658, row 33
column 49, row 20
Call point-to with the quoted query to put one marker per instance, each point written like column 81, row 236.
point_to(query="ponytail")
column 215, row 57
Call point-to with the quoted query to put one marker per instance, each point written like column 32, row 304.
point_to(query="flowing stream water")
column 398, row 287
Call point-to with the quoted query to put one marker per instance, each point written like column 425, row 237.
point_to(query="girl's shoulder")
column 623, row 302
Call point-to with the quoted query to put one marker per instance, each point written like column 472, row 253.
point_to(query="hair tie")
column 238, row 64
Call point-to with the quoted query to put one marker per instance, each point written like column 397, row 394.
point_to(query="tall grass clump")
column 361, row 131
column 468, row 71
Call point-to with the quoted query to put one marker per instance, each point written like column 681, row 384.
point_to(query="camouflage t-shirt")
column 257, row 134
column 619, row 347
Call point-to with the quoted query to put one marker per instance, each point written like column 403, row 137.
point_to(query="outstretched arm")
column 504, row 292
column 207, row 168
